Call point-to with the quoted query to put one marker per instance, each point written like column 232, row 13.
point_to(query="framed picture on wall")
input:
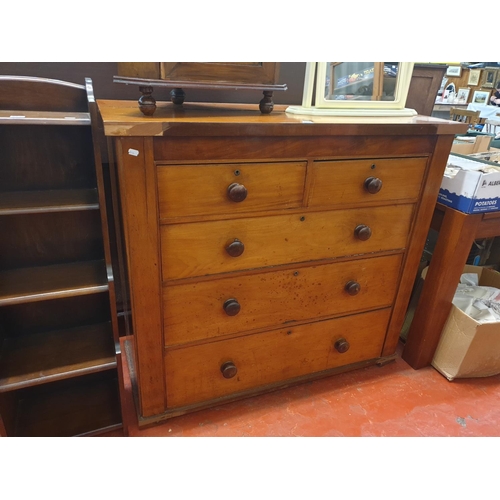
column 489, row 78
column 454, row 71
column 481, row 97
column 474, row 76
column 463, row 95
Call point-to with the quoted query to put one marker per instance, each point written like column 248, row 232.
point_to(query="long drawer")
column 198, row 374
column 208, row 309
column 203, row 248
column 186, row 190
column 335, row 183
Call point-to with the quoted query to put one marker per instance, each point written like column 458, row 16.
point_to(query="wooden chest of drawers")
column 264, row 251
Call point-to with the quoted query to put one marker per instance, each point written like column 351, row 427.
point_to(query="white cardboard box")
column 468, row 348
column 470, row 185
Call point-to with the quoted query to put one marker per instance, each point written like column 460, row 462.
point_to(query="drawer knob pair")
column 373, row 185
column 228, row 369
column 236, row 192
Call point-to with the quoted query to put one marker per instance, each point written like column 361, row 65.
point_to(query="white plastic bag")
column 481, row 303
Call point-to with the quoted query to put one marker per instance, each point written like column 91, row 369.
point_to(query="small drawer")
column 336, row 183
column 214, row 247
column 193, row 190
column 209, row 309
column 209, row 371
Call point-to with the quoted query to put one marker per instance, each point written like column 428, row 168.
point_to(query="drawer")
column 335, row 183
column 194, row 374
column 202, row 248
column 208, row 309
column 190, row 190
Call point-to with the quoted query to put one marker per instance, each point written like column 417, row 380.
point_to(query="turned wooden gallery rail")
column 457, row 231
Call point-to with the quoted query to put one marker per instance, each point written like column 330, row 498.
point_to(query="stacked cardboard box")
column 470, row 185
column 466, row 145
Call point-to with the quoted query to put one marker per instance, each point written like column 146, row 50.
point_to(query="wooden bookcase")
column 59, row 367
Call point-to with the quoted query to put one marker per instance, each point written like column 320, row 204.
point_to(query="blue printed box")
column 470, row 185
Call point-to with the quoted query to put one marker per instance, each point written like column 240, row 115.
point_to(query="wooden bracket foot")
column 266, row 105
column 147, row 103
column 177, row 96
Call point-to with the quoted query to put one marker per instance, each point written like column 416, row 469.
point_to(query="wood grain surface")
column 198, row 249
column 193, row 374
column 194, row 311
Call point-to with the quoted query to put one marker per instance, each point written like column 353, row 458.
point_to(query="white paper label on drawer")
column 133, row 152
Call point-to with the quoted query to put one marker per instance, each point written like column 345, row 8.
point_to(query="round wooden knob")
column 373, row 185
column 236, row 192
column 231, row 307
column 352, row 287
column 341, row 345
column 362, row 232
column 228, row 370
column 235, row 249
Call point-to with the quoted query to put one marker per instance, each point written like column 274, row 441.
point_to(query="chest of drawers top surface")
column 123, row 118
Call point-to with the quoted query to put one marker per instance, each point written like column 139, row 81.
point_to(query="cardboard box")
column 470, row 185
column 466, row 145
column 467, row 348
column 462, row 148
column 482, row 143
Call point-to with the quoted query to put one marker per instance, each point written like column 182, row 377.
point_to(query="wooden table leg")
column 455, row 239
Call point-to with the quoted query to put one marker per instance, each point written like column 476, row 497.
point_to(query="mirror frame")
column 315, row 78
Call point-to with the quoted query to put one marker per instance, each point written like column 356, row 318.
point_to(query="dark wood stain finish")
column 58, row 362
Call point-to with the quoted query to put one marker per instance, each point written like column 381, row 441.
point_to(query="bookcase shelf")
column 50, row 282
column 59, row 367
column 29, row 360
column 15, row 117
column 60, row 200
column 77, row 407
